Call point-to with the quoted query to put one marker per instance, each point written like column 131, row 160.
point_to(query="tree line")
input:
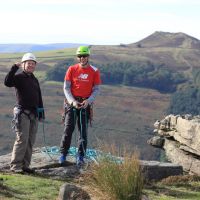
column 187, row 99
column 144, row 74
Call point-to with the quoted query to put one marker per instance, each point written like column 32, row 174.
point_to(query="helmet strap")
column 23, row 66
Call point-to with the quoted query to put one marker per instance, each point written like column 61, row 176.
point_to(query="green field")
column 16, row 186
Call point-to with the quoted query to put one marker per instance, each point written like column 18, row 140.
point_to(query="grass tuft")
column 120, row 181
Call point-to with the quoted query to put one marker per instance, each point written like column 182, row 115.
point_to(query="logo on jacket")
column 83, row 76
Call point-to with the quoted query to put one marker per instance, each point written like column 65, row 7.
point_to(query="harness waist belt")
column 80, row 99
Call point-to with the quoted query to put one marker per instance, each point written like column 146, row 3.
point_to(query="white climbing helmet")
column 28, row 56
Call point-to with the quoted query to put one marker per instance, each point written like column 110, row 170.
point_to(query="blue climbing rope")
column 91, row 154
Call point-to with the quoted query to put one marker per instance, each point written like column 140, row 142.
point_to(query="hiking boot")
column 80, row 161
column 62, row 159
column 28, row 170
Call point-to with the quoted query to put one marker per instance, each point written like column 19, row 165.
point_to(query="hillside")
column 166, row 39
column 123, row 115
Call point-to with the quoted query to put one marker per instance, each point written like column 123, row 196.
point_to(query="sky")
column 100, row 22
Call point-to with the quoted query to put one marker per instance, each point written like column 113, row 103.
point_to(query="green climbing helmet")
column 83, row 50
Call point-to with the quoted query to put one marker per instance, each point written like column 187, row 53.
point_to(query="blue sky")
column 95, row 21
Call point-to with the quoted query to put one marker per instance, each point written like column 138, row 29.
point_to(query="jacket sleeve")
column 10, row 80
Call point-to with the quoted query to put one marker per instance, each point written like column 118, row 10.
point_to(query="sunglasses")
column 82, row 56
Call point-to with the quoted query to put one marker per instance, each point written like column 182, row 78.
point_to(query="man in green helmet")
column 81, row 85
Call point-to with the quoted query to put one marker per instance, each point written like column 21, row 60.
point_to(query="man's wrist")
column 15, row 66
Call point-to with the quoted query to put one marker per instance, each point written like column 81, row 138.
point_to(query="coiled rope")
column 91, row 154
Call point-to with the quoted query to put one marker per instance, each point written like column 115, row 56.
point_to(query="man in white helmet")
column 26, row 115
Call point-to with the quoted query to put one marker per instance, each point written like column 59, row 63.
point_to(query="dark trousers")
column 73, row 116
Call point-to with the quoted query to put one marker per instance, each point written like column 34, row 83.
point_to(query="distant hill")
column 13, row 48
column 166, row 39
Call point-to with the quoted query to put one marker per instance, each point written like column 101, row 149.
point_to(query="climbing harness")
column 17, row 111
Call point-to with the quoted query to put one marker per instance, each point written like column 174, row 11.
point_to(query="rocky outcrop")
column 47, row 165
column 179, row 136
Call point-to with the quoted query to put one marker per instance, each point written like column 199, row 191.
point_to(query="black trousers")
column 73, row 116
